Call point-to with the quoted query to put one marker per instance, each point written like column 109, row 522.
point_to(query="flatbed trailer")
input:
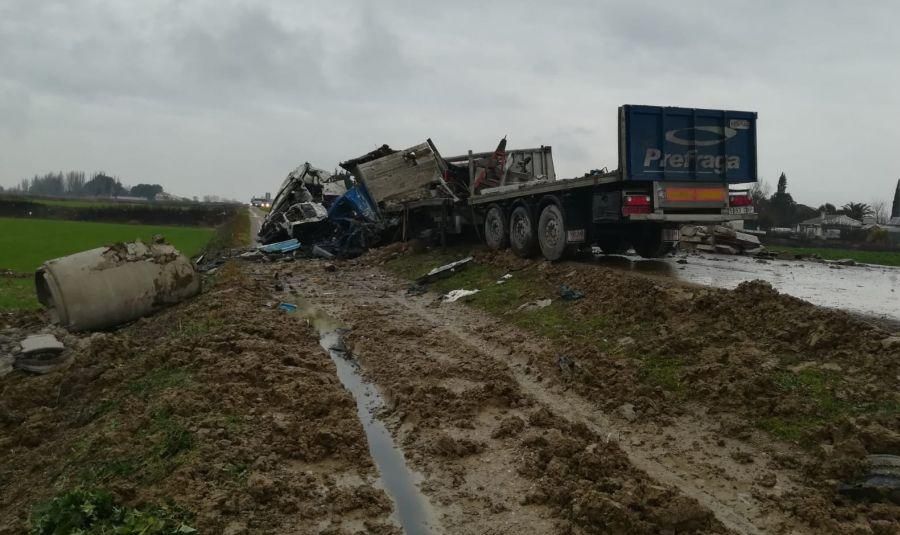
column 676, row 167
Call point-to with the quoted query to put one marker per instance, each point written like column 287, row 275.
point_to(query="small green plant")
column 159, row 379
column 663, row 371
column 198, row 328
column 174, row 437
column 95, row 512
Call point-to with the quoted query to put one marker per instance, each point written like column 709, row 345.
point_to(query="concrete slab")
column 41, row 343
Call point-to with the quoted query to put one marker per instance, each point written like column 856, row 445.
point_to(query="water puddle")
column 411, row 509
column 864, row 289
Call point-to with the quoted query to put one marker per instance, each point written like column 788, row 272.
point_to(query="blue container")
column 687, row 144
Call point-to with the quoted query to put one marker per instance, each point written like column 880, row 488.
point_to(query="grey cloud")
column 224, row 96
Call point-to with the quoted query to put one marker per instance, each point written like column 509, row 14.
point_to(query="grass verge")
column 17, row 294
column 556, row 321
column 233, row 233
column 26, row 243
column 884, row 258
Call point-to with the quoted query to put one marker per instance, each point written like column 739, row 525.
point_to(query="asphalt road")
column 256, row 220
column 868, row 290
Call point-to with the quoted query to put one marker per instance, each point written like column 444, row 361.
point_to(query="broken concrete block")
column 41, row 343
column 6, row 364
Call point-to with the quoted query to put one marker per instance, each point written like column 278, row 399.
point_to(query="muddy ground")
column 221, row 408
column 747, row 405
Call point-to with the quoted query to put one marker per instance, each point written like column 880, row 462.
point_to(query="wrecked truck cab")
column 104, row 287
column 299, row 201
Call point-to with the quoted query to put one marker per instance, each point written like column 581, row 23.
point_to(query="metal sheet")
column 406, row 175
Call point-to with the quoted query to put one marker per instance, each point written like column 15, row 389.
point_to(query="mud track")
column 221, row 407
column 507, row 446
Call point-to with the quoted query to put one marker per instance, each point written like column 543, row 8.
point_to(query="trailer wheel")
column 613, row 245
column 496, row 231
column 552, row 232
column 650, row 244
column 521, row 233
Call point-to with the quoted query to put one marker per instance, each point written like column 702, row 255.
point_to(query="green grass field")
column 26, row 243
column 884, row 258
column 75, row 203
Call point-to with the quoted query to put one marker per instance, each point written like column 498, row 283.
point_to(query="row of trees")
column 75, row 184
column 780, row 210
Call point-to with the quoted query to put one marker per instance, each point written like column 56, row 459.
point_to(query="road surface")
column 864, row 289
column 256, row 220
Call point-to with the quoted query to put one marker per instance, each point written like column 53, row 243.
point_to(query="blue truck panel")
column 687, row 144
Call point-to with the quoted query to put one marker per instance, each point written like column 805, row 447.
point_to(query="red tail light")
column 636, row 204
column 740, row 200
column 637, row 200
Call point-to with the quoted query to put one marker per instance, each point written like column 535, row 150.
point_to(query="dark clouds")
column 227, row 96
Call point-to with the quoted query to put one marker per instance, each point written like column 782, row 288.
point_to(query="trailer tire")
column 613, row 245
column 522, row 233
column 496, row 230
column 552, row 233
column 651, row 245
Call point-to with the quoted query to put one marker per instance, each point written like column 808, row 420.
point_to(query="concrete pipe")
column 108, row 286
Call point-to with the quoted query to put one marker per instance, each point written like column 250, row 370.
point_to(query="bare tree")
column 760, row 190
column 880, row 211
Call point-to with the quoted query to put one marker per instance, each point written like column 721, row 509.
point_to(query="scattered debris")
column 41, row 343
column 569, row 294
column 40, row 353
column 279, row 247
column 416, row 289
column 6, row 364
column 108, row 286
column 718, row 239
column 626, row 411
column 287, row 307
column 534, row 305
column 880, row 482
column 566, row 365
column 321, row 253
column 455, row 295
column 504, row 278
column 444, row 271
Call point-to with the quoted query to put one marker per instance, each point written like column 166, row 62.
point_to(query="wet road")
column 256, row 219
column 864, row 289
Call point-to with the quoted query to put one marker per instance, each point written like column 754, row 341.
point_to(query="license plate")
column 575, row 236
column 739, row 210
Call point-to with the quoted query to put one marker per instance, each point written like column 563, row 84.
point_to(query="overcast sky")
column 226, row 97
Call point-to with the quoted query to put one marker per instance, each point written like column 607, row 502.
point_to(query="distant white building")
column 828, row 226
column 168, row 197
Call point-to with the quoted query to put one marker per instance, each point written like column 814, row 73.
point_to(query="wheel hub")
column 551, row 232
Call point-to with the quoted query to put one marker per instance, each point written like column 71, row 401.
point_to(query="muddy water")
column 865, row 289
column 411, row 509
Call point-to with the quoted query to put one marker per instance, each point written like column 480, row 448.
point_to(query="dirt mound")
column 590, row 481
column 760, row 363
column 220, row 406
